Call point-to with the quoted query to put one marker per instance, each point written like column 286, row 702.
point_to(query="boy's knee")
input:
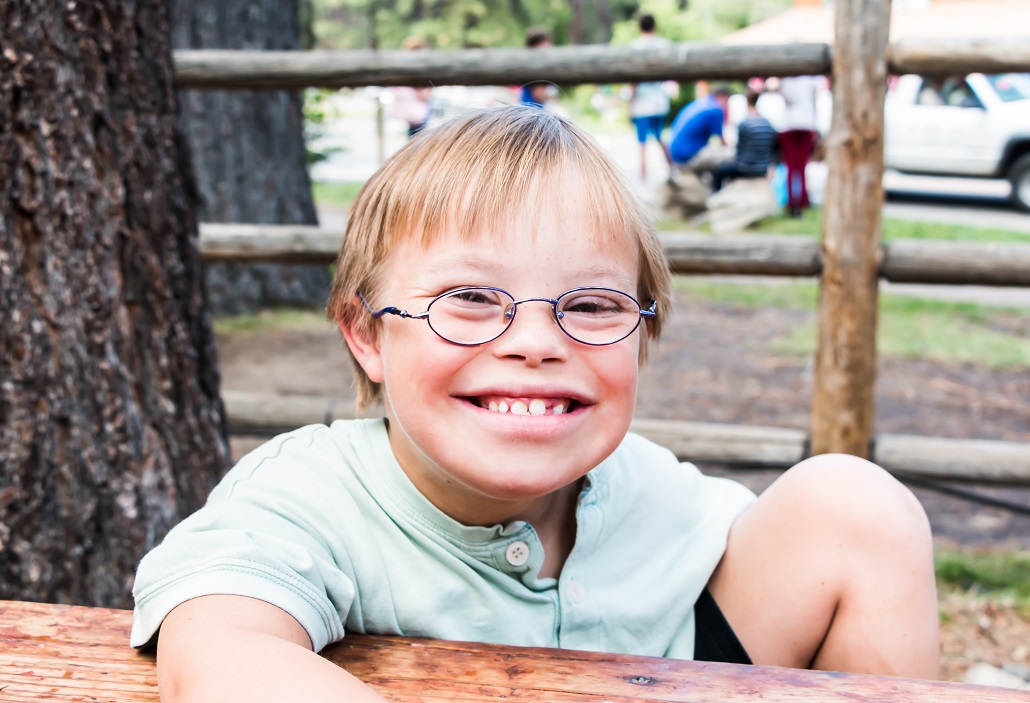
column 856, row 497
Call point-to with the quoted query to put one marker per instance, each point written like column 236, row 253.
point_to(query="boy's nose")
column 533, row 335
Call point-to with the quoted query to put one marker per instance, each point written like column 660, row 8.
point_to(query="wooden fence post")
column 845, row 365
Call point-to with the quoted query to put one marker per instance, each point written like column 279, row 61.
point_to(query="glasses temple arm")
column 391, row 310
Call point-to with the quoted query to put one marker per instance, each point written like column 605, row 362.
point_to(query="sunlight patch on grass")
column 811, row 223
column 928, row 336
column 795, row 295
column 909, row 327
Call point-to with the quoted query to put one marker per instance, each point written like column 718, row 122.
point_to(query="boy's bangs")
column 508, row 183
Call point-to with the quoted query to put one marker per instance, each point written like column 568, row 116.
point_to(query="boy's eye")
column 597, row 304
column 474, row 298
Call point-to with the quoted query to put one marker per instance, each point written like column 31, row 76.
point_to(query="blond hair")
column 476, row 173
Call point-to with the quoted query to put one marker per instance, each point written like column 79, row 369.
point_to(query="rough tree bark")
column 111, row 426
column 248, row 151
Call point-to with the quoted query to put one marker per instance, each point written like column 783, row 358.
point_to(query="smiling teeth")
column 536, row 406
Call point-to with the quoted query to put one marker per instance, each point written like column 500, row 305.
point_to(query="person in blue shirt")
column 696, row 124
column 534, row 94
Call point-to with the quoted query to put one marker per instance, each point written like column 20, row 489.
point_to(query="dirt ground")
column 716, row 363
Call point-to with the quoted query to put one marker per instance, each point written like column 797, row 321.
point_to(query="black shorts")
column 714, row 639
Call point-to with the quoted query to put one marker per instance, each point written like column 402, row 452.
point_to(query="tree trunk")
column 248, row 151
column 111, row 426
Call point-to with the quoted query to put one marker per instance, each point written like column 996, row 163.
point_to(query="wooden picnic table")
column 74, row 653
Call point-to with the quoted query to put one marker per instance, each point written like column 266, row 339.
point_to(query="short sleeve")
column 261, row 535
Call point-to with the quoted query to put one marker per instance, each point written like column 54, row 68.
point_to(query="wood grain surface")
column 73, row 653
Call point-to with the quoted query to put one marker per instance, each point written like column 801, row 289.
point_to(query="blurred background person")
column 771, row 105
column 535, row 94
column 798, row 135
column 695, row 127
column 756, row 147
column 649, row 103
column 413, row 105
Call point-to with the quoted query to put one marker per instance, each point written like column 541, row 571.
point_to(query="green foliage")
column 455, row 24
column 444, row 24
column 704, row 20
column 317, row 112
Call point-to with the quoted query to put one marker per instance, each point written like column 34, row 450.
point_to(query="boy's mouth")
column 525, row 406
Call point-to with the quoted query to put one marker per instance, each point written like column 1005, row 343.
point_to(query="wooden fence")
column 229, row 70
column 906, row 261
column 850, row 259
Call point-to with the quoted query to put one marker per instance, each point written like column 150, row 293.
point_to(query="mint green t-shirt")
column 323, row 523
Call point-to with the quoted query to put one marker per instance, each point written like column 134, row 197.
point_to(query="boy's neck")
column 555, row 525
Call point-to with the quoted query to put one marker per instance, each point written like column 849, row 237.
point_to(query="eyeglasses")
column 474, row 315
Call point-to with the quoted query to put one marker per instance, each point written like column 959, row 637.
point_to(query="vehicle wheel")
column 1019, row 177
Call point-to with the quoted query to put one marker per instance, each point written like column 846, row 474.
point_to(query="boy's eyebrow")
column 608, row 272
column 465, row 262
column 592, row 274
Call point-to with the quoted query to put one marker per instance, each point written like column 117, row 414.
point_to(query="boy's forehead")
column 498, row 236
column 551, row 208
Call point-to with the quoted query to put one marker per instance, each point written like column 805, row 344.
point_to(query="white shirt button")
column 517, row 553
column 576, row 593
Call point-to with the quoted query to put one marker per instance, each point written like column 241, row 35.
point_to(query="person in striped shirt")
column 756, row 147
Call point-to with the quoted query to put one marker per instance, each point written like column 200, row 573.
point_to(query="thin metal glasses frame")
column 511, row 311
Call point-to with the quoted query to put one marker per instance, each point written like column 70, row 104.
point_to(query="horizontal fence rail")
column 567, row 64
column 229, row 69
column 907, row 261
column 986, row 461
column 947, row 56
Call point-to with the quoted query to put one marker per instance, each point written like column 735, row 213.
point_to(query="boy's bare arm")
column 233, row 648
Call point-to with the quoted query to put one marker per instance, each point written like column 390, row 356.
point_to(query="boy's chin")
column 519, row 476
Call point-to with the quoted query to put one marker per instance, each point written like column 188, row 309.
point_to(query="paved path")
column 963, row 201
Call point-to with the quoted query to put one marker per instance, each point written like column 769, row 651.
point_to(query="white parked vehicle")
column 971, row 126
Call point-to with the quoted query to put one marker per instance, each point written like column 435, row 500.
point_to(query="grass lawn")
column 337, row 195
column 989, row 573
column 908, row 327
column 810, row 225
column 267, row 320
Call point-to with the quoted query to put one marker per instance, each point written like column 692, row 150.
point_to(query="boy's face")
column 478, row 465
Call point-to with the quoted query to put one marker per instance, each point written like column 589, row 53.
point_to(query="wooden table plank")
column 69, row 653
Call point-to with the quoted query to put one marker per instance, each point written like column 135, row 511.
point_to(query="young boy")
column 497, row 288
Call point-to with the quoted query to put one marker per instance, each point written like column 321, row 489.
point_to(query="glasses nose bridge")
column 514, row 305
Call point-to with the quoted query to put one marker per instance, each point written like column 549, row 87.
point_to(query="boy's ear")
column 365, row 350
